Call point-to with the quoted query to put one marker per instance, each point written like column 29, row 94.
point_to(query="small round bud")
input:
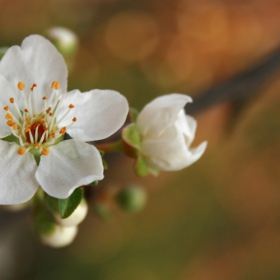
column 132, row 199
column 76, row 218
column 60, row 236
column 65, row 40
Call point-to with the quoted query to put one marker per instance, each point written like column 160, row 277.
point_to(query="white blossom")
column 167, row 133
column 37, row 111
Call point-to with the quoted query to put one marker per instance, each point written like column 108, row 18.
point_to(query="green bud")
column 65, row 40
column 132, row 199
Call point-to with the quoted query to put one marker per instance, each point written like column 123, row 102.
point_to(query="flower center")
column 37, row 125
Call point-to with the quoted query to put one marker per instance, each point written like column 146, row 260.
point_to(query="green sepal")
column 105, row 165
column 141, row 167
column 93, row 184
column 131, row 140
column 133, row 114
column 44, row 221
column 10, row 138
column 67, row 206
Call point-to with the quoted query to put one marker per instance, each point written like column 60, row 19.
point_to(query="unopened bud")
column 132, row 199
column 65, row 40
column 76, row 217
column 60, row 236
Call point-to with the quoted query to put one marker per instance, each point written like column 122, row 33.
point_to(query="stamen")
column 71, row 106
column 25, row 110
column 10, row 123
column 33, row 86
column 48, row 110
column 21, row 85
column 6, row 108
column 27, row 120
column 74, row 119
column 44, row 98
column 15, row 126
column 43, row 116
column 28, row 128
column 37, row 145
column 9, row 116
column 21, row 151
column 55, row 85
column 12, row 100
column 53, row 135
column 45, row 151
column 62, row 130
column 50, row 114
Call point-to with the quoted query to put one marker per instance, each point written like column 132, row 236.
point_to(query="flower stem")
column 111, row 147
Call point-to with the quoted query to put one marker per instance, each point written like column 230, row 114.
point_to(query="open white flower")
column 37, row 111
column 167, row 132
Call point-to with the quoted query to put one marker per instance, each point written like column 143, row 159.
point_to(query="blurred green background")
column 216, row 220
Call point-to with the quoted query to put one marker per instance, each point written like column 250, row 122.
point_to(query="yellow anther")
column 44, row 98
column 74, row 119
column 27, row 128
column 19, row 133
column 33, row 86
column 21, row 151
column 9, row 116
column 48, row 110
column 55, row 85
column 50, row 114
column 43, row 116
column 21, row 85
column 45, row 151
column 37, row 145
column 10, row 123
column 14, row 126
column 12, row 100
column 71, row 106
column 27, row 119
column 53, row 135
column 62, row 130
column 25, row 110
column 6, row 108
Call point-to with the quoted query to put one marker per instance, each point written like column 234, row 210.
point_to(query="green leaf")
column 141, row 167
column 67, row 206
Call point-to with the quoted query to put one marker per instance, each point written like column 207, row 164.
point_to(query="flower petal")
column 170, row 152
column 159, row 114
column 69, row 164
column 36, row 61
column 99, row 113
column 6, row 91
column 187, row 125
column 17, row 180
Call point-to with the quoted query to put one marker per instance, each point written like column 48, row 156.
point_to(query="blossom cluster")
column 37, row 112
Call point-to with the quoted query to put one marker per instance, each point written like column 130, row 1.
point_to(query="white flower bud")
column 64, row 39
column 166, row 133
column 60, row 237
column 76, row 218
